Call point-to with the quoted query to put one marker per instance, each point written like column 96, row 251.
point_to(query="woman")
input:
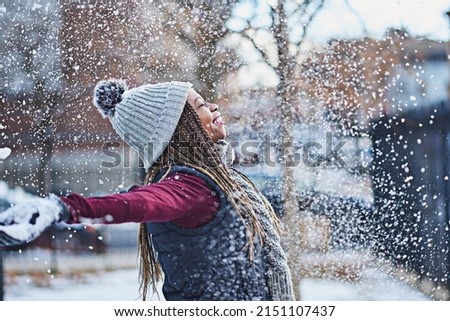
column 204, row 227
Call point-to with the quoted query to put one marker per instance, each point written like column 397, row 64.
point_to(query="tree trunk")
column 1, row 276
column 44, row 181
column 285, row 71
column 43, row 131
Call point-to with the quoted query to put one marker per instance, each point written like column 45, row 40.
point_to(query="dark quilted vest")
column 210, row 262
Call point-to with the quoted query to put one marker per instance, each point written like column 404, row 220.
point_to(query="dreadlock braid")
column 192, row 146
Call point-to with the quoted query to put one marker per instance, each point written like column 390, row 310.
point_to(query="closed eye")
column 202, row 102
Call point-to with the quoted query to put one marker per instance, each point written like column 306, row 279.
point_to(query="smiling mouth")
column 218, row 121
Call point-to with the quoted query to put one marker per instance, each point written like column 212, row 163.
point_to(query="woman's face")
column 209, row 116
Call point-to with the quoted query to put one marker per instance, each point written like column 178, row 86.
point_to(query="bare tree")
column 280, row 50
column 193, row 32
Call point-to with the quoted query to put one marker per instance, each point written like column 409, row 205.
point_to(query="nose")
column 213, row 107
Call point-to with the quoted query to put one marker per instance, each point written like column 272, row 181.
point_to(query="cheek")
column 205, row 119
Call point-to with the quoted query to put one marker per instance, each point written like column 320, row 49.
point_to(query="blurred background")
column 360, row 91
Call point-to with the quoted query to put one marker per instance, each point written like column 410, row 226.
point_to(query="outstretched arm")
column 181, row 198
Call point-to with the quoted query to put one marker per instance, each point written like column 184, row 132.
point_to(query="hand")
column 26, row 221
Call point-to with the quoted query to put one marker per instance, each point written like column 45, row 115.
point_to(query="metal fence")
column 411, row 172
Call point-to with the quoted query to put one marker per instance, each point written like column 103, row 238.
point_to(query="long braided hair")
column 191, row 145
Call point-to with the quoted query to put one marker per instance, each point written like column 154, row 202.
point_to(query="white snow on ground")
column 122, row 285
column 374, row 285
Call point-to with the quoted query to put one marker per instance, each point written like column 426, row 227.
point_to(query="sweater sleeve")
column 183, row 199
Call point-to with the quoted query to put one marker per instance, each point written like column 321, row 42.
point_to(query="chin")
column 218, row 135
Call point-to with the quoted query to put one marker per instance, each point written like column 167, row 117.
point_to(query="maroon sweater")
column 183, row 199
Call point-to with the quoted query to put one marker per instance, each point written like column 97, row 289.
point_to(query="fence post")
column 446, row 149
column 2, row 292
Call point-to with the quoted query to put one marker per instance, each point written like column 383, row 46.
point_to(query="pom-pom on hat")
column 144, row 117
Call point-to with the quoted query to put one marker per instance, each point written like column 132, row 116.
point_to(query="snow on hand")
column 27, row 220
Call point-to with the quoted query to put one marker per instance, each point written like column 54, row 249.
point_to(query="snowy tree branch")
column 261, row 51
column 177, row 27
column 361, row 21
column 310, row 19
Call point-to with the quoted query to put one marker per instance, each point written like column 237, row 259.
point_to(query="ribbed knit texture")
column 278, row 276
column 147, row 116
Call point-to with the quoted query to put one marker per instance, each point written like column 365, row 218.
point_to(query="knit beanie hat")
column 144, row 117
